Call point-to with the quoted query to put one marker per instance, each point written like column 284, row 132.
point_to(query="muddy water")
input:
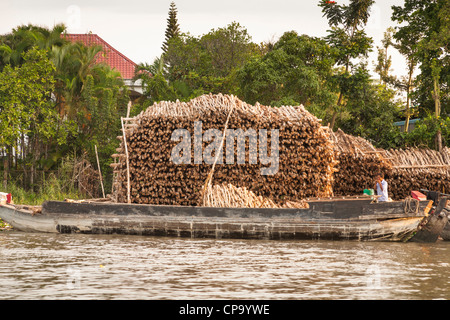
column 47, row 266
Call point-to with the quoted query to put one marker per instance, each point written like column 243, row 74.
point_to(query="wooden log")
column 156, row 179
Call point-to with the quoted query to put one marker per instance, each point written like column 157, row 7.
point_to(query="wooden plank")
column 385, row 216
column 421, row 166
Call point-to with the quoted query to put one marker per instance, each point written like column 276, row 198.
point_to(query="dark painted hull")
column 445, row 234
column 333, row 220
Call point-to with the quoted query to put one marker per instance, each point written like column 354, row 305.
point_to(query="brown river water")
column 58, row 266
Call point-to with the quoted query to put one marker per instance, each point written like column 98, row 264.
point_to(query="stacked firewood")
column 359, row 163
column 415, row 169
column 229, row 196
column 86, row 178
column 305, row 165
column 404, row 170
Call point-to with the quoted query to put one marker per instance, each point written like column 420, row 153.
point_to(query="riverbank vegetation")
column 57, row 103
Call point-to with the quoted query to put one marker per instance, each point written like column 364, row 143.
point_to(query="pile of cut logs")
column 160, row 165
column 359, row 163
column 415, row 169
column 404, row 170
column 229, row 196
column 221, row 157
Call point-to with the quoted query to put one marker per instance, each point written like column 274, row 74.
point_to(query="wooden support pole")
column 128, row 109
column 128, row 161
column 210, row 175
column 100, row 172
column 422, row 166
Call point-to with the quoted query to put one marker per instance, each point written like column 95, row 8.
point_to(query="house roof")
column 402, row 123
column 110, row 56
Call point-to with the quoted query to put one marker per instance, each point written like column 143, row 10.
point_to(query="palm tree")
column 22, row 39
column 73, row 62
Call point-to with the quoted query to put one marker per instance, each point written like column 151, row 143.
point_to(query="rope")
column 210, row 175
column 408, row 206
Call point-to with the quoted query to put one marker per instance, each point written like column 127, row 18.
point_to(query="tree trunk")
column 5, row 170
column 335, row 112
column 408, row 98
column 407, row 113
column 437, row 104
column 439, row 140
column 333, row 119
column 339, row 102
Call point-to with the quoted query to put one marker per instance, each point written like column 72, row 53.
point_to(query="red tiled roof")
column 110, row 56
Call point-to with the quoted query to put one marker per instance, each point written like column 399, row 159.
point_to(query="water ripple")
column 47, row 266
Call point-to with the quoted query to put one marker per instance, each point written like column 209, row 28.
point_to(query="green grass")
column 4, row 225
column 50, row 189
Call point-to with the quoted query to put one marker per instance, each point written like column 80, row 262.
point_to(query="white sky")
column 136, row 27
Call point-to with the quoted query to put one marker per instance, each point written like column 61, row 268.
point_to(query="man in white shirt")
column 382, row 187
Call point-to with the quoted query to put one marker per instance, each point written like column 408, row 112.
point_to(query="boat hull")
column 445, row 234
column 329, row 221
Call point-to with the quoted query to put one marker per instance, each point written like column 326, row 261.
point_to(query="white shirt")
column 383, row 193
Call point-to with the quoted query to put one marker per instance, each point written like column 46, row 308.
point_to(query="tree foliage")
column 295, row 71
column 55, row 99
column 196, row 65
column 425, row 28
column 173, row 28
column 348, row 38
column 25, row 106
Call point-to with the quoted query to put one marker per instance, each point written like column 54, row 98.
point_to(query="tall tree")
column 348, row 37
column 23, row 38
column 74, row 62
column 172, row 29
column 209, row 63
column 228, row 48
column 26, row 108
column 55, row 100
column 384, row 60
column 295, row 71
column 370, row 110
column 405, row 41
column 429, row 23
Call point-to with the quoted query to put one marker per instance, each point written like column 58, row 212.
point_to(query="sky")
column 136, row 27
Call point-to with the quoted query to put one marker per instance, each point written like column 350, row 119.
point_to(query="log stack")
column 306, row 155
column 359, row 163
column 415, row 169
column 405, row 170
column 229, row 196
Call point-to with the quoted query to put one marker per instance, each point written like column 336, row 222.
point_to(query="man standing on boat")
column 382, row 187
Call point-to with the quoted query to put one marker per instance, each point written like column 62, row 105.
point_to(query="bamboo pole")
column 422, row 166
column 128, row 109
column 209, row 178
column 99, row 171
column 128, row 162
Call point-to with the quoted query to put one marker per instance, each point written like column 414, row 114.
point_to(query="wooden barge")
column 334, row 219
